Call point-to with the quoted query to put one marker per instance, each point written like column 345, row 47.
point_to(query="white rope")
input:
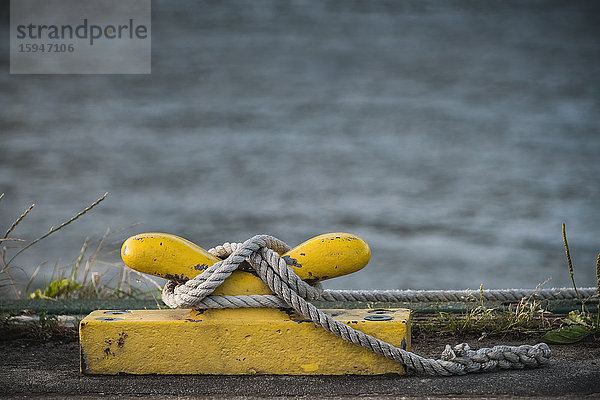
column 404, row 296
column 442, row 296
column 261, row 253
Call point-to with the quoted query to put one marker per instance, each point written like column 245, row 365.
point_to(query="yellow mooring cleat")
column 323, row 257
column 238, row 341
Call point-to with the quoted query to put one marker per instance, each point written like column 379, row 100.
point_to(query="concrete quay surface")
column 51, row 370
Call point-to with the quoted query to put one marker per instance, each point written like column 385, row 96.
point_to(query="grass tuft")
column 577, row 325
column 81, row 280
column 527, row 316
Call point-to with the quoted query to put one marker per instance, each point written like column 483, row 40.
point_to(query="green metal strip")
column 74, row 307
column 78, row 307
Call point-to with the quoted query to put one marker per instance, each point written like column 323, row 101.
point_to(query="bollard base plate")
column 235, row 342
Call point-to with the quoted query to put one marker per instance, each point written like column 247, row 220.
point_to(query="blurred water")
column 455, row 137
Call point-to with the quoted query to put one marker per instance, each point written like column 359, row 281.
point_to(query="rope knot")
column 261, row 253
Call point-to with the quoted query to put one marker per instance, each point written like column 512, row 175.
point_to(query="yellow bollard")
column 238, row 341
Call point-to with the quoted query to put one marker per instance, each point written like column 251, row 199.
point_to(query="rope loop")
column 261, row 253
